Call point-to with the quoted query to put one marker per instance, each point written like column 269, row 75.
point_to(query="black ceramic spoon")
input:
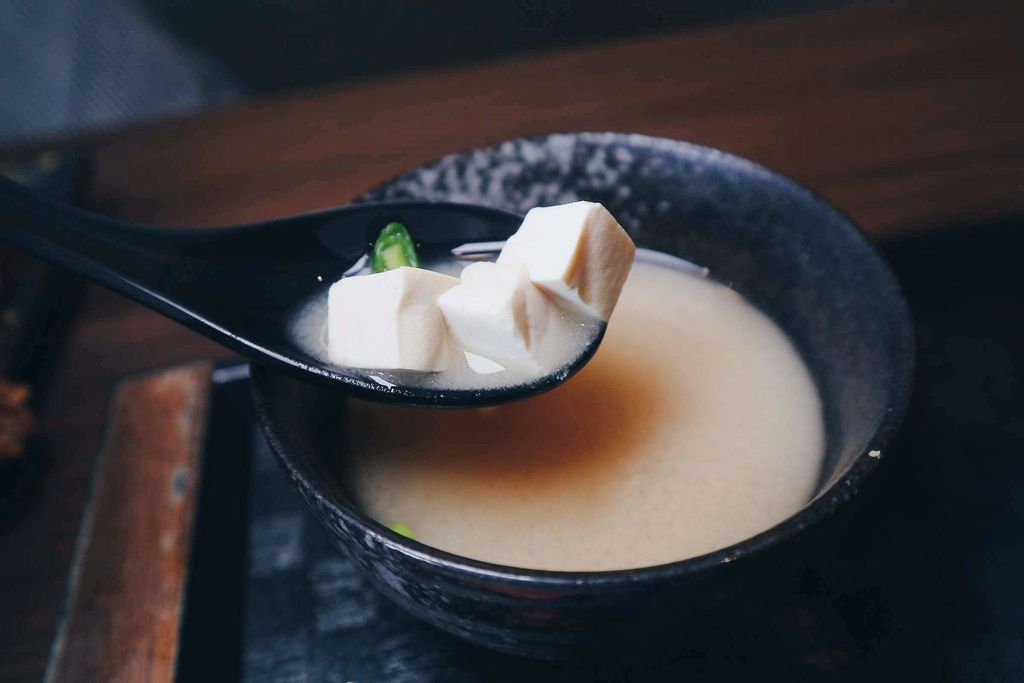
column 243, row 285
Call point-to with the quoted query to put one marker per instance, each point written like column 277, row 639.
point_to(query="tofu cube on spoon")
column 496, row 312
column 389, row 321
column 577, row 253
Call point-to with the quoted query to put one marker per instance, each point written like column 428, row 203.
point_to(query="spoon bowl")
column 244, row 285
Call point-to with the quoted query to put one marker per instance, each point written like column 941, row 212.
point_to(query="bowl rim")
column 815, row 510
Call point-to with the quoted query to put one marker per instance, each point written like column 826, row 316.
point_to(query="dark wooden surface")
column 906, row 117
column 126, row 595
column 903, row 117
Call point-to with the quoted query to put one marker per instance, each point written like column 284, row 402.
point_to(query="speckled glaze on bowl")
column 783, row 247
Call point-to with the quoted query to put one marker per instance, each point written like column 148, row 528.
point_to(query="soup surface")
column 695, row 426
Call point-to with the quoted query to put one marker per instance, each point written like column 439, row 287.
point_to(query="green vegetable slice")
column 394, row 249
column 402, row 529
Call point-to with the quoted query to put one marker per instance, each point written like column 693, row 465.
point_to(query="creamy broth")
column 695, row 426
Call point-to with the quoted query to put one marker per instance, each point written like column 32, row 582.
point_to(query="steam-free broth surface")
column 695, row 426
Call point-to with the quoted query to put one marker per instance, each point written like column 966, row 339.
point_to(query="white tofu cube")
column 576, row 252
column 389, row 321
column 497, row 313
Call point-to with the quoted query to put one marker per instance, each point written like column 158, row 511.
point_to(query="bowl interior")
column 785, row 249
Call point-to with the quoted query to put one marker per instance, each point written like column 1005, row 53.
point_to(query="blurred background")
column 72, row 66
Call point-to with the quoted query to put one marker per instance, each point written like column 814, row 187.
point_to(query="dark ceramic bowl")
column 786, row 249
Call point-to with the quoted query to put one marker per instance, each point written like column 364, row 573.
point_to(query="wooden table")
column 906, row 117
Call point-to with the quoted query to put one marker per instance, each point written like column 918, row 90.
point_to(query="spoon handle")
column 130, row 259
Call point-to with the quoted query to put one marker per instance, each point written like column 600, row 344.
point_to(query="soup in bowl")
column 750, row 379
